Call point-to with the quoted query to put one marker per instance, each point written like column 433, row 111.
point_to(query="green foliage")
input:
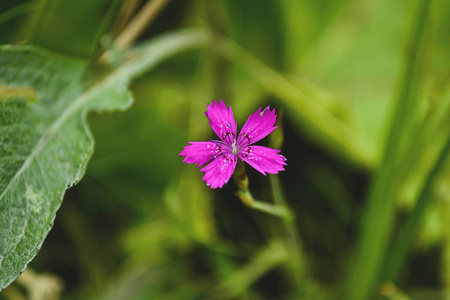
column 45, row 148
column 375, row 235
column 362, row 92
column 46, row 143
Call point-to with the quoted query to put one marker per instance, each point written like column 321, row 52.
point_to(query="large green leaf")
column 45, row 142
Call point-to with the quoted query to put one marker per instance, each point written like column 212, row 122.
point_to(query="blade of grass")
column 40, row 20
column 140, row 22
column 127, row 10
column 380, row 211
column 429, row 135
column 20, row 10
column 241, row 279
column 399, row 252
column 136, row 27
column 105, row 26
column 318, row 122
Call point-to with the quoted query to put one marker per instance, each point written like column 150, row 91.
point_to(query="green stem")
column 271, row 209
column 298, row 264
column 274, row 210
column 241, row 180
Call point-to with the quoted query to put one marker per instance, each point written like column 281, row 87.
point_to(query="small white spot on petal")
column 263, row 111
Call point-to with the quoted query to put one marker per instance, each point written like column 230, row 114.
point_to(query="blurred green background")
column 143, row 225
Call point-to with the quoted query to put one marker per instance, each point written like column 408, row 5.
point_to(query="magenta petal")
column 200, row 152
column 263, row 159
column 257, row 126
column 222, row 121
column 219, row 171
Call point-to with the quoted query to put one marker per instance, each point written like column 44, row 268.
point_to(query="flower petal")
column 222, row 121
column 257, row 126
column 201, row 152
column 219, row 171
column 263, row 159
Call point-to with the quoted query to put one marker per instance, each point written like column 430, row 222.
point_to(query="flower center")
column 234, row 148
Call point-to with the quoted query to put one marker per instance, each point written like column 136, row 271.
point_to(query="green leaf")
column 45, row 144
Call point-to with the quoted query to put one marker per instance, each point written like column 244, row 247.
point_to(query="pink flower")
column 221, row 156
